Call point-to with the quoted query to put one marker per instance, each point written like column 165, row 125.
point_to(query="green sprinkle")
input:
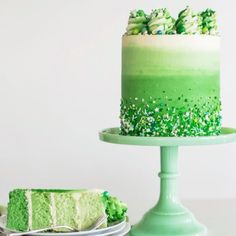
column 160, row 119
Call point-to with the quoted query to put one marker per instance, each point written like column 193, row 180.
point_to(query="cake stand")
column 168, row 217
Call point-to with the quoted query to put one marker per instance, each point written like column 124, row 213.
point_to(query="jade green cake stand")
column 168, row 217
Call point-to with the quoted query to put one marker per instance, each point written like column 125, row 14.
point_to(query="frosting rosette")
column 209, row 22
column 188, row 22
column 161, row 22
column 137, row 23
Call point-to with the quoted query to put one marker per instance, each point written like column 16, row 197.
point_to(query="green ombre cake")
column 30, row 209
column 171, row 83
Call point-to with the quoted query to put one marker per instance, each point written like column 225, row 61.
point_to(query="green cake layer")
column 170, row 85
column 35, row 209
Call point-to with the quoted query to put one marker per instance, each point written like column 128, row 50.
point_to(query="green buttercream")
column 188, row 22
column 137, row 23
column 170, row 91
column 115, row 209
column 209, row 22
column 161, row 22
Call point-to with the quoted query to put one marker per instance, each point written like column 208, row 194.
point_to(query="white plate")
column 124, row 231
column 119, row 232
column 102, row 232
column 113, row 229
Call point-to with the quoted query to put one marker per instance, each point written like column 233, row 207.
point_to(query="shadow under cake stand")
column 168, row 217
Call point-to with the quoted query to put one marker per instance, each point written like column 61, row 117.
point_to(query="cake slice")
column 30, row 209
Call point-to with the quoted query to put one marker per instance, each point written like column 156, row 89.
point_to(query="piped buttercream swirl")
column 137, row 23
column 188, row 22
column 161, row 22
column 209, row 22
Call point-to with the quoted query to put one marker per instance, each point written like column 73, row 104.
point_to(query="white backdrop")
column 60, row 68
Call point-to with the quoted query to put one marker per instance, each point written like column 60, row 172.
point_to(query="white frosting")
column 174, row 42
column 53, row 209
column 76, row 197
column 28, row 195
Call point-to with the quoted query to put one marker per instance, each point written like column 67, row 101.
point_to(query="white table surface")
column 219, row 216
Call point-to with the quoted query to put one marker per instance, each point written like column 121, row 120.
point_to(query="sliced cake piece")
column 30, row 209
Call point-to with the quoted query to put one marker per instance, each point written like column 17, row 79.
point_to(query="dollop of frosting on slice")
column 209, row 22
column 161, row 22
column 137, row 23
column 115, row 209
column 188, row 22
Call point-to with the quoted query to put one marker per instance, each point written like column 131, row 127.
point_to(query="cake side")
column 170, row 85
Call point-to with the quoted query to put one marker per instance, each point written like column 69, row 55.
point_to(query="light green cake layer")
column 39, row 209
column 79, row 209
column 168, row 82
column 65, row 208
column 94, row 208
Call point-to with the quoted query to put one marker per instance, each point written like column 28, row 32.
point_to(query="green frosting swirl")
column 161, row 22
column 137, row 23
column 188, row 22
column 115, row 209
column 209, row 22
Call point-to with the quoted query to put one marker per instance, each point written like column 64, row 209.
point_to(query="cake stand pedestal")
column 168, row 217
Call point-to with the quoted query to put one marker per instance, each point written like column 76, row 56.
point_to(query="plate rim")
column 113, row 229
column 106, row 233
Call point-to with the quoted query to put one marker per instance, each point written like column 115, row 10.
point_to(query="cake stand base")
column 169, row 217
column 159, row 224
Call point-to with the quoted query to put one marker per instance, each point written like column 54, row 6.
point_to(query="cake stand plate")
column 168, row 217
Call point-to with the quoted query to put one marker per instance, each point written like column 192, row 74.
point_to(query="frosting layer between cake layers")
column 170, row 85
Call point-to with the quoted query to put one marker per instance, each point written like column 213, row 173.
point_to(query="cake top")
column 160, row 22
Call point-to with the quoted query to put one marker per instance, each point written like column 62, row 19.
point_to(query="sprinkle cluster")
column 161, row 22
column 156, row 117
